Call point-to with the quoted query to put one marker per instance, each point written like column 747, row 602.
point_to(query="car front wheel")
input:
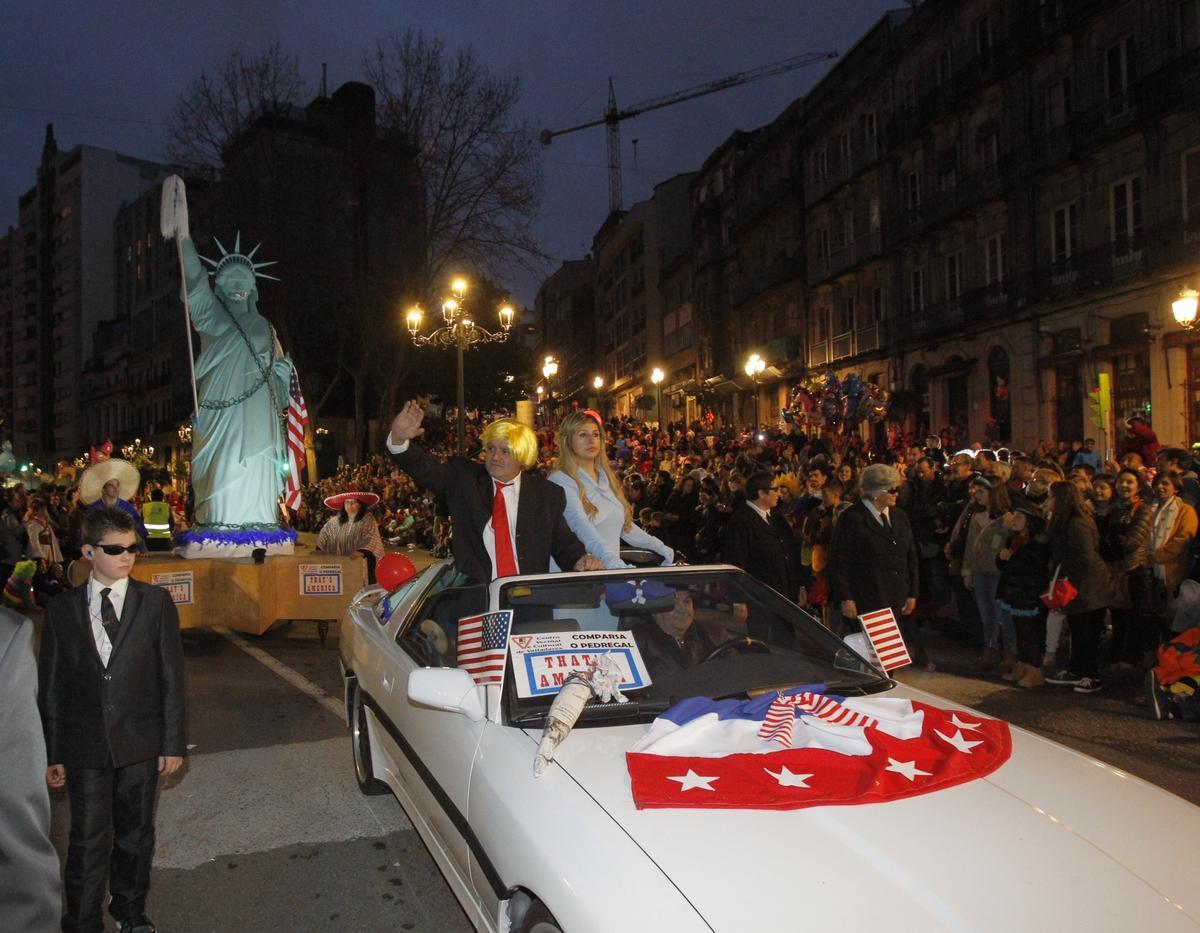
column 538, row 919
column 361, row 745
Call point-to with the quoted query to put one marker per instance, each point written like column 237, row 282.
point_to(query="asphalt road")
column 265, row 829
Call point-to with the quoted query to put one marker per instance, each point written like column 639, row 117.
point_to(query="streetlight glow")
column 459, row 286
column 1184, row 308
column 413, row 319
column 598, row 383
column 657, row 376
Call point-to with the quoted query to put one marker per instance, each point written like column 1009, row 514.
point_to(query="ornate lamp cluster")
column 460, row 329
column 137, row 453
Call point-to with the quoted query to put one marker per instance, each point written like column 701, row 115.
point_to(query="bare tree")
column 478, row 159
column 219, row 103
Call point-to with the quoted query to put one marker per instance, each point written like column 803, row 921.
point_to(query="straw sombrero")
column 95, row 477
column 368, row 499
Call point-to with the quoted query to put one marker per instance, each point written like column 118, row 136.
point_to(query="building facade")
column 62, row 288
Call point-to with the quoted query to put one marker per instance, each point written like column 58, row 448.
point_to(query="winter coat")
column 1075, row 546
column 1172, row 554
column 1125, row 547
column 1025, row 576
column 984, row 546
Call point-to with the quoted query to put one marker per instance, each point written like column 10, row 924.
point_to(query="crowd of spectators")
column 991, row 526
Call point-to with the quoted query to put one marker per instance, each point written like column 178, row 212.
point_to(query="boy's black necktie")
column 108, row 615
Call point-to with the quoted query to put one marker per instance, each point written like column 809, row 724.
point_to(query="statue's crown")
column 238, row 258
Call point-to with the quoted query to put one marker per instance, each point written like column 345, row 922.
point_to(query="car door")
column 432, row 750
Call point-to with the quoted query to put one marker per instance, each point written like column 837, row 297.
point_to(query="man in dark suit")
column 761, row 542
column 873, row 557
column 111, row 697
column 497, row 494
column 30, row 900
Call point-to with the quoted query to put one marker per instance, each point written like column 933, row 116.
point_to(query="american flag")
column 777, row 724
column 886, row 639
column 297, row 418
column 482, row 644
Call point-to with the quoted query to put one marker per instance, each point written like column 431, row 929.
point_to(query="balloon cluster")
column 826, row 401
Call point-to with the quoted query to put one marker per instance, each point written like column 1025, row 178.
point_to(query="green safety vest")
column 157, row 516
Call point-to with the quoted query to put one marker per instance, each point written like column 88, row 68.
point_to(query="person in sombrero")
column 353, row 530
column 112, row 483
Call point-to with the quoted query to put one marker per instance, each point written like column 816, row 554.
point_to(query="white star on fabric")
column 958, row 741
column 693, row 780
column 908, row 769
column 961, row 723
column 787, row 779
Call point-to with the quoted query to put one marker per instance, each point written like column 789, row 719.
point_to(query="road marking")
column 293, row 677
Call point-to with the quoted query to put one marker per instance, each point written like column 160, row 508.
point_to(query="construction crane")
column 612, row 116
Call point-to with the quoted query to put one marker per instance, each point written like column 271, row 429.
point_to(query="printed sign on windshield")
column 541, row 662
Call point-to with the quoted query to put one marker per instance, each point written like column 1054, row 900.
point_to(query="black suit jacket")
column 871, row 565
column 766, row 550
column 133, row 709
column 468, row 491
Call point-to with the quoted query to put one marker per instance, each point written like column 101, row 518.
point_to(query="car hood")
column 1052, row 839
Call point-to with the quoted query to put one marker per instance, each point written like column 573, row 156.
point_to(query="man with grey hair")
column 873, row 557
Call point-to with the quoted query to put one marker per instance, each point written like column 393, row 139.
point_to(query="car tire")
column 538, row 919
column 360, row 744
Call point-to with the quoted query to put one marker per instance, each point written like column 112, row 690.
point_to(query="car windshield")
column 712, row 634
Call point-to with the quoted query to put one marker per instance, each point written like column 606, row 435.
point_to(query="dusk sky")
column 108, row 73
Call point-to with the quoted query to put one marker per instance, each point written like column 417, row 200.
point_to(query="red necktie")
column 506, row 561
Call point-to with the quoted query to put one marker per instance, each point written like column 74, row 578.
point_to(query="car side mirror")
column 446, row 688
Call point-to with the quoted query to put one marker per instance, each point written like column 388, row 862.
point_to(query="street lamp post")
column 549, row 371
column 754, row 367
column 460, row 332
column 598, row 385
column 657, row 377
column 1184, row 308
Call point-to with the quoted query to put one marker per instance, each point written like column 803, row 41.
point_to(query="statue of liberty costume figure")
column 241, row 385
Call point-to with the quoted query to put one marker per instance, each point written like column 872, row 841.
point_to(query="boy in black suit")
column 111, row 676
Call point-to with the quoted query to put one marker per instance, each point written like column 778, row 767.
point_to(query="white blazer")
column 602, row 533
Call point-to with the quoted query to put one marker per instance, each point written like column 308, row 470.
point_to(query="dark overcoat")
column 870, row 564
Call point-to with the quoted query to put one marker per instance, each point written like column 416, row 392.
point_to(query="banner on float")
column 320, row 579
column 541, row 662
column 179, row 583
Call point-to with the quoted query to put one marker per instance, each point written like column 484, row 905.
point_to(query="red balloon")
column 394, row 570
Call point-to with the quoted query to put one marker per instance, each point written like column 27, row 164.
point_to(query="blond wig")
column 522, row 442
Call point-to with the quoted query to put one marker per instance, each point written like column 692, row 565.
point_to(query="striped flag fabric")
column 884, row 632
column 297, row 419
column 483, row 644
column 777, row 724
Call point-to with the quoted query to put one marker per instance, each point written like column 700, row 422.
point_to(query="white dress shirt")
column 512, row 492
column 117, row 598
column 879, row 515
column 763, row 513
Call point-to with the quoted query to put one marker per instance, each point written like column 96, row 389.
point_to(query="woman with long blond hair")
column 597, row 510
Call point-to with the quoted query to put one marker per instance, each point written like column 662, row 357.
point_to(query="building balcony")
column 782, row 269
column 1116, row 116
column 844, row 258
column 1176, row 86
column 765, row 202
column 987, row 305
column 1172, row 243
column 818, row 353
column 1110, row 264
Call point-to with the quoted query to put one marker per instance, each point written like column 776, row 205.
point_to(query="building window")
column 820, row 165
column 1058, row 103
column 983, row 38
column 916, row 290
column 1064, row 232
column 844, row 149
column 1189, row 25
column 823, row 249
column 845, row 321
column 1118, row 66
column 1193, row 391
column 876, row 305
column 1126, row 212
column 994, row 255
column 1131, row 385
column 1000, row 401
column 1191, row 185
column 988, row 146
column 912, row 189
column 945, row 65
column 869, row 129
column 953, row 275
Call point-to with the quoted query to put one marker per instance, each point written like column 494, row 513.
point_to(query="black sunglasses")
column 893, row 491
column 112, row 550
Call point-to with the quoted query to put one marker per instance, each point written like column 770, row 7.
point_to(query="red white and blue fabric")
column 722, row 754
column 297, row 420
column 483, row 645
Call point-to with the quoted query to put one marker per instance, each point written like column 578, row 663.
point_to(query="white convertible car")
column 1046, row 839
